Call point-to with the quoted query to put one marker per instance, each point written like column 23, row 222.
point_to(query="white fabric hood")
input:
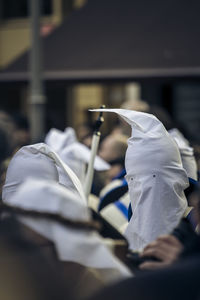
column 58, row 139
column 81, row 246
column 73, row 153
column 155, row 176
column 38, row 161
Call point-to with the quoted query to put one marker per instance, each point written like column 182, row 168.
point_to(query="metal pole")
column 37, row 97
column 94, row 149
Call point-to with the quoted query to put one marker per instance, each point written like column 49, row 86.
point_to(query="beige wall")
column 14, row 34
column 84, row 97
column 14, row 39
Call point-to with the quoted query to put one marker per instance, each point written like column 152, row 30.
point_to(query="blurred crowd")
column 136, row 236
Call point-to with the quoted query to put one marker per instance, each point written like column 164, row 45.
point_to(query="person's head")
column 112, row 150
column 113, row 147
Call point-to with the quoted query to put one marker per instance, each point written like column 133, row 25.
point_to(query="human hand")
column 166, row 249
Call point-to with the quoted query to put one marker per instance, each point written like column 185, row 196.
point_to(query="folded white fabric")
column 155, row 176
column 187, row 153
column 77, row 245
column 58, row 139
column 38, row 161
column 73, row 153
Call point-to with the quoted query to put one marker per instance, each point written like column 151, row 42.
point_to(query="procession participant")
column 73, row 153
column 156, row 179
column 77, row 156
column 39, row 161
column 60, row 217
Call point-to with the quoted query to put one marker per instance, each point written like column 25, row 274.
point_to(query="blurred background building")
column 104, row 52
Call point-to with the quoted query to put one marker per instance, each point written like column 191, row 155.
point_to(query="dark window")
column 19, row 8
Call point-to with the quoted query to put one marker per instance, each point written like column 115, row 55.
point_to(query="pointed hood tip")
column 136, row 119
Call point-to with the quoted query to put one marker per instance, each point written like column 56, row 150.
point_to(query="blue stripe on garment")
column 123, row 184
column 122, row 208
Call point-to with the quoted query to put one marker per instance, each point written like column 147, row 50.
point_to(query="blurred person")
column 75, row 154
column 41, row 162
column 67, row 235
column 113, row 149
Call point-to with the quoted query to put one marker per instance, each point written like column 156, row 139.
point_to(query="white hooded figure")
column 41, row 162
column 73, row 153
column 82, row 246
column 187, row 153
column 156, row 179
column 58, row 139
